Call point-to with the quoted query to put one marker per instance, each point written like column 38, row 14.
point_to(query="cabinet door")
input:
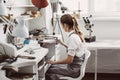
column 108, row 61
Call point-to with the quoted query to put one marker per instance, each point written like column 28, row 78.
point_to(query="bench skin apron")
column 72, row 70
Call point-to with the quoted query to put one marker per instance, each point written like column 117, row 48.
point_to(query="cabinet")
column 104, row 57
column 24, row 64
column 35, row 66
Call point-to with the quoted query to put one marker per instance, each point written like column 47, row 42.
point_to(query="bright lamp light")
column 3, row 9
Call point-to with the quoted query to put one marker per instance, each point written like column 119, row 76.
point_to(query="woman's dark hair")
column 72, row 23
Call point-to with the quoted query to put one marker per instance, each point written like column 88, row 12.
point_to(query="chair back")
column 83, row 66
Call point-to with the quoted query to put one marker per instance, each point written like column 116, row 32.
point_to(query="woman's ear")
column 65, row 25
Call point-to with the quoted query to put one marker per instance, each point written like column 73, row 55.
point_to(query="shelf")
column 14, row 6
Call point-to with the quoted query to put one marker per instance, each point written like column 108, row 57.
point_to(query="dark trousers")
column 72, row 70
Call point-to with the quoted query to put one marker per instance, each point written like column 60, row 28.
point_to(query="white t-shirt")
column 75, row 45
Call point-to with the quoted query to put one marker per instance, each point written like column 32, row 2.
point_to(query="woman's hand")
column 50, row 62
column 58, row 41
column 68, row 60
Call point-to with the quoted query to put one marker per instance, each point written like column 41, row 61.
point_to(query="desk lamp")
column 3, row 9
column 20, row 30
column 3, row 13
column 55, row 16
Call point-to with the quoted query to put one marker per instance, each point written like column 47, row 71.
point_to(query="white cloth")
column 75, row 45
column 2, row 35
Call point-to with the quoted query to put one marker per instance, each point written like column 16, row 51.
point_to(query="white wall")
column 104, row 29
column 107, row 30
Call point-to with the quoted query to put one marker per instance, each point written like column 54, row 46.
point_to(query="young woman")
column 75, row 50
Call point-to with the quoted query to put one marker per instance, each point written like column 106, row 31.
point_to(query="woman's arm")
column 59, row 41
column 64, row 45
column 68, row 60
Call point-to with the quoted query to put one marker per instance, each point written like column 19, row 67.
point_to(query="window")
column 109, row 8
column 73, row 5
column 98, row 8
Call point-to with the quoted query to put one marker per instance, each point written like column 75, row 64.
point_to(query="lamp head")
column 3, row 9
column 63, row 9
column 40, row 3
column 21, row 30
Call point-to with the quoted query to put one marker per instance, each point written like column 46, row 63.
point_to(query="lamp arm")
column 4, row 19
